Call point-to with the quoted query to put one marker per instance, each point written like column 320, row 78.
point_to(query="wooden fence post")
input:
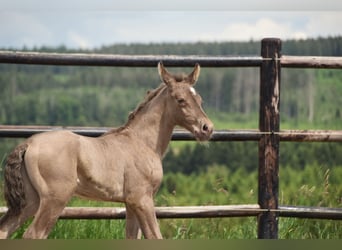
column 269, row 142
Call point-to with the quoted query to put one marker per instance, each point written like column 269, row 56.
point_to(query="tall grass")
column 312, row 186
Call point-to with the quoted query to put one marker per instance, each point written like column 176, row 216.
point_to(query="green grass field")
column 312, row 186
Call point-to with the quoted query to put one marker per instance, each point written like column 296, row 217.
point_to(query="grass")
column 312, row 186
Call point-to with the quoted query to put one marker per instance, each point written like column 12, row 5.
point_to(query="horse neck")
column 154, row 125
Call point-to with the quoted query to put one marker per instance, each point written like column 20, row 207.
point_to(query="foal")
column 123, row 165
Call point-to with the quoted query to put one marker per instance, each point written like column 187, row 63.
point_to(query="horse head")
column 185, row 104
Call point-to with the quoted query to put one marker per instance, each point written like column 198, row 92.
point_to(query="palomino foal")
column 123, row 165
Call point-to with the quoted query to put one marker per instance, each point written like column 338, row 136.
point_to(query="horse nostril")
column 205, row 128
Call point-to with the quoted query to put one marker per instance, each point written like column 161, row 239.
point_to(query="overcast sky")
column 93, row 23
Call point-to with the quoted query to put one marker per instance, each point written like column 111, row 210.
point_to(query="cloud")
column 189, row 5
column 19, row 29
column 78, row 41
column 263, row 27
column 90, row 29
column 324, row 23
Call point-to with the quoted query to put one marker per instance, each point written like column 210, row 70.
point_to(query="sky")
column 88, row 24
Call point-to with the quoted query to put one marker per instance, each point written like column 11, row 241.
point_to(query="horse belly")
column 93, row 190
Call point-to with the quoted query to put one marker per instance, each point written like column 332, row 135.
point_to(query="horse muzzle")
column 204, row 131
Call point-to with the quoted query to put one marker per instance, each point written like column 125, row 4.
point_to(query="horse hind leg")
column 45, row 219
column 55, row 182
column 10, row 222
column 52, row 200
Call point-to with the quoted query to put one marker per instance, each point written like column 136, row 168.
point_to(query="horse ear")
column 164, row 75
column 193, row 77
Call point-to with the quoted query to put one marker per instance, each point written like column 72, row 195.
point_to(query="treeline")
column 64, row 95
column 103, row 96
column 223, row 90
column 331, row 46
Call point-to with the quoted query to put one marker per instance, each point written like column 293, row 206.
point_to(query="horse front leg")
column 132, row 224
column 143, row 208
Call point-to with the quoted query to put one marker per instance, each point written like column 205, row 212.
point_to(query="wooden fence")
column 269, row 135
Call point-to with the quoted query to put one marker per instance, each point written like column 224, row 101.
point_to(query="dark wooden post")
column 269, row 142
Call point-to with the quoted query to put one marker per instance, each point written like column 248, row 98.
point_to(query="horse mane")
column 151, row 94
column 149, row 97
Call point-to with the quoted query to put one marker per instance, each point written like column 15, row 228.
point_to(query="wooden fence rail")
column 176, row 212
column 268, row 135
column 72, row 59
column 11, row 131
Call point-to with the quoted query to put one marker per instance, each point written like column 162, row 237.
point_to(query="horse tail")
column 13, row 179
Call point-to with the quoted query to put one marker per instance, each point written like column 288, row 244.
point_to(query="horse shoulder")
column 146, row 170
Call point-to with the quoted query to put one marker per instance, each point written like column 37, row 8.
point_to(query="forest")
column 104, row 96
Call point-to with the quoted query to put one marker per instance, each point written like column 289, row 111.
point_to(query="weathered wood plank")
column 269, row 142
column 91, row 213
column 319, row 62
column 77, row 59
column 19, row 131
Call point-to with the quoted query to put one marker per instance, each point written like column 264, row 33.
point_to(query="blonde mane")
column 151, row 94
